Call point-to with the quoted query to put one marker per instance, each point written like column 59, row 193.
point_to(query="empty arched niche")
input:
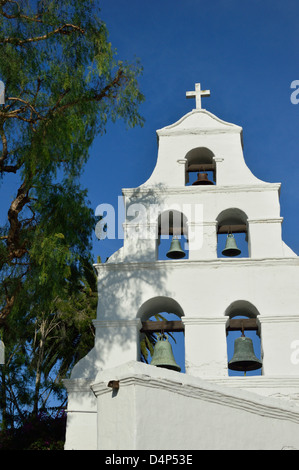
column 172, row 242
column 232, row 231
column 200, row 161
column 162, row 315
column 243, row 321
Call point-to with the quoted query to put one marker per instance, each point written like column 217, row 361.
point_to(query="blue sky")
column 245, row 52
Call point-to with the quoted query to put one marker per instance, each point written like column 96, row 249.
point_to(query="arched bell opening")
column 161, row 320
column 200, row 168
column 243, row 333
column 172, row 242
column 232, row 234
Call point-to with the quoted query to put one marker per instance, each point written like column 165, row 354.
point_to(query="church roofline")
column 172, row 128
column 135, row 373
column 230, row 263
column 155, row 189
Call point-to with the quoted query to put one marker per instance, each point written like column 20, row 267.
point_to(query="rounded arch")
column 241, row 308
column 232, row 222
column 157, row 305
column 172, row 222
column 232, row 216
column 200, row 159
column 199, row 155
column 169, row 308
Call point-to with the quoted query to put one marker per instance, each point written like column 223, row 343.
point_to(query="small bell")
column 244, row 358
column 175, row 250
column 163, row 355
column 202, row 178
column 231, row 248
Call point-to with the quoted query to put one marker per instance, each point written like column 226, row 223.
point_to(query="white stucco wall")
column 200, row 290
column 158, row 409
column 204, row 291
column 81, row 430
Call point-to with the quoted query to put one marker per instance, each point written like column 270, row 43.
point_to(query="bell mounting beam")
column 232, row 229
column 178, row 326
column 156, row 326
column 201, row 167
column 242, row 324
column 172, row 231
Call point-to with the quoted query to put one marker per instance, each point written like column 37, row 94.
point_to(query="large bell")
column 163, row 355
column 175, row 250
column 231, row 248
column 202, row 178
column 244, row 358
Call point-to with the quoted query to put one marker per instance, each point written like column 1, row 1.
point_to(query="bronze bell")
column 175, row 250
column 244, row 358
column 202, row 178
column 231, row 248
column 163, row 355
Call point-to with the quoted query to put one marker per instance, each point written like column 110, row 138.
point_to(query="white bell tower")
column 111, row 393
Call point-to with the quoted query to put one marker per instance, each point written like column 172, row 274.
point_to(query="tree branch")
column 64, row 29
column 15, row 250
column 28, row 105
column 98, row 96
column 4, row 145
column 3, row 167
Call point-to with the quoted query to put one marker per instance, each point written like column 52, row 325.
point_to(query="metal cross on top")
column 197, row 94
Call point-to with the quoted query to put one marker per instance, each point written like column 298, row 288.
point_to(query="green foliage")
column 63, row 82
column 42, row 346
column 42, row 432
